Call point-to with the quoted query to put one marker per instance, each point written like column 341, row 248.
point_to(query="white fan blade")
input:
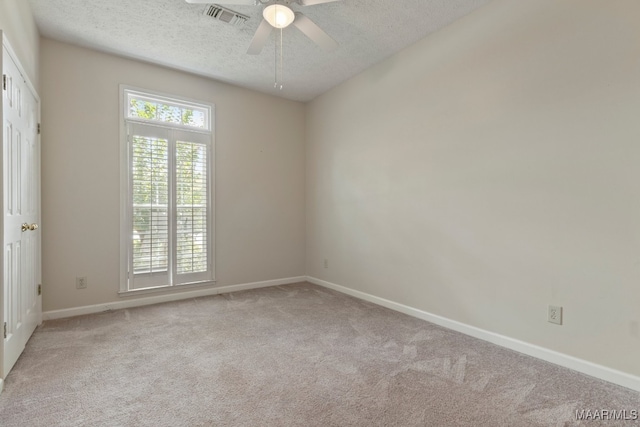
column 315, row 33
column 312, row 2
column 236, row 2
column 260, row 38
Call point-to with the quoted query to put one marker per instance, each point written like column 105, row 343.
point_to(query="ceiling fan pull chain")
column 281, row 61
column 278, row 62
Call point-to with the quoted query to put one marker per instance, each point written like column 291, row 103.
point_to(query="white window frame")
column 205, row 135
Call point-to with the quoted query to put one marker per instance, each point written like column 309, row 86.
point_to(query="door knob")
column 26, row 227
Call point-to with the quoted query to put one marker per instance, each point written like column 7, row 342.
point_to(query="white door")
column 21, row 213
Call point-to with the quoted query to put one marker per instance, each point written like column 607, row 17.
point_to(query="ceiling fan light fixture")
column 278, row 15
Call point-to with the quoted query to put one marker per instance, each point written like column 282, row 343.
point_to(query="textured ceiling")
column 177, row 34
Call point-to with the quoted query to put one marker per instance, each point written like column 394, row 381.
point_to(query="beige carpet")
column 296, row 355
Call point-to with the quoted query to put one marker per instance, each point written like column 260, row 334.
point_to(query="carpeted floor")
column 295, row 355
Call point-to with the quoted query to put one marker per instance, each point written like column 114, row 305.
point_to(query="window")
column 167, row 225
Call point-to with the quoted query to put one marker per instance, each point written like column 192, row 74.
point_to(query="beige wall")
column 489, row 170
column 259, row 174
column 16, row 21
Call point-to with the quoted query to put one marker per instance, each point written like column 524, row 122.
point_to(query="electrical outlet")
column 554, row 314
column 326, row 263
column 81, row 282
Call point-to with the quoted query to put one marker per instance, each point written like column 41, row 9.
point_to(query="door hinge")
column 4, row 82
column 39, row 289
column 5, row 329
column 38, row 128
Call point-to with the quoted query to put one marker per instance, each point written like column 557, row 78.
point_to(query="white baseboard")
column 1, row 385
column 592, row 369
column 156, row 299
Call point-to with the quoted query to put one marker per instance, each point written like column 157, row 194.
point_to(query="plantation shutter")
column 191, row 207
column 170, row 206
column 150, row 188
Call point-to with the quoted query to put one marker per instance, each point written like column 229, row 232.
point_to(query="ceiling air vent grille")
column 225, row 15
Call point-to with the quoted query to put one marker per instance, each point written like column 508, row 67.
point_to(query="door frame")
column 11, row 52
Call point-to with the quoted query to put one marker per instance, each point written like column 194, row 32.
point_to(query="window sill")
column 167, row 289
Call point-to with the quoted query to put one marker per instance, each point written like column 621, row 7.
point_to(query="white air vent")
column 225, row 15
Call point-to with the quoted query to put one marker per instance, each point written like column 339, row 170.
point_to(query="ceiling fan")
column 278, row 14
